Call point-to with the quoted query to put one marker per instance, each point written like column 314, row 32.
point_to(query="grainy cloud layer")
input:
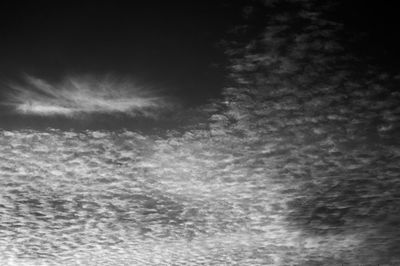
column 83, row 95
column 137, row 200
column 299, row 165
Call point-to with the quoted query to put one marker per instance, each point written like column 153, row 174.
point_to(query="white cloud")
column 83, row 95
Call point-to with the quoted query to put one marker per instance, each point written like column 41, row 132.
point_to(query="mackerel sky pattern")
column 298, row 164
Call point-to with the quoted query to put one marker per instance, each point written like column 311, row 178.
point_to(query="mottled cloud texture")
column 83, row 95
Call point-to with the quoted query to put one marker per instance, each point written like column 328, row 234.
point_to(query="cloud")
column 191, row 195
column 75, row 95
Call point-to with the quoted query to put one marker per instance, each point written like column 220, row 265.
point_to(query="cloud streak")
column 77, row 95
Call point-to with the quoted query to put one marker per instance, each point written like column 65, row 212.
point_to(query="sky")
column 175, row 52
column 281, row 145
column 376, row 23
column 171, row 48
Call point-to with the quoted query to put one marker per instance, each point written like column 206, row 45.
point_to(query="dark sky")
column 374, row 27
column 171, row 45
column 168, row 45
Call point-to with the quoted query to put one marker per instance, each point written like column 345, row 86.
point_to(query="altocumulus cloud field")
column 298, row 164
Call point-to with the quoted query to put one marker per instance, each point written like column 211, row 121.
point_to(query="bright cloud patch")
column 84, row 95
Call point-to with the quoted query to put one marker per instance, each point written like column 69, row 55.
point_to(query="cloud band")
column 83, row 95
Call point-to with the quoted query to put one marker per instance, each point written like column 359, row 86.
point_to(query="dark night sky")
column 154, row 40
column 169, row 46
column 375, row 26
column 172, row 46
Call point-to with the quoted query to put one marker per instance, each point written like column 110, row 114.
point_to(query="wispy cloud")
column 83, row 95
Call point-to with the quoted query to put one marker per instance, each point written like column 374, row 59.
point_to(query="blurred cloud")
column 77, row 95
